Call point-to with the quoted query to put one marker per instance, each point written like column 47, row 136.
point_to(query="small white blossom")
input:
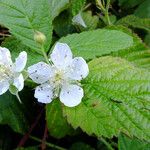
column 78, row 20
column 60, row 79
column 10, row 73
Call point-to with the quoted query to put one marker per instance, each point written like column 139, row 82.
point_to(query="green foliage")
column 77, row 6
column 58, row 6
column 126, row 143
column 129, row 3
column 116, row 99
column 147, row 39
column 16, row 46
column 24, row 17
column 11, row 113
column 90, row 21
column 138, row 54
column 63, row 24
column 98, row 42
column 143, row 10
column 57, row 124
column 117, row 90
column 135, row 22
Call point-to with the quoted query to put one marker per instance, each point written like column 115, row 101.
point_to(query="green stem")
column 106, row 143
column 107, row 12
column 45, row 55
column 100, row 5
column 47, row 143
column 18, row 97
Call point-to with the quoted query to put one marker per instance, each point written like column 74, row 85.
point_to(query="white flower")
column 59, row 79
column 10, row 73
column 78, row 20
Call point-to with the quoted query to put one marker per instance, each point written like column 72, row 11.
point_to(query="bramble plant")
column 82, row 77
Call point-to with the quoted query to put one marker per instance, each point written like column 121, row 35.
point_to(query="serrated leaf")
column 138, row 54
column 16, row 46
column 57, row 124
column 126, row 143
column 135, row 22
column 58, row 6
column 76, row 6
column 24, row 17
column 12, row 114
column 116, row 99
column 143, row 10
column 90, row 44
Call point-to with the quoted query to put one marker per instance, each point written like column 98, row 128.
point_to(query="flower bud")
column 39, row 37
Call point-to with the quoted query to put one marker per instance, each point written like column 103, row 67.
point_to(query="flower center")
column 5, row 73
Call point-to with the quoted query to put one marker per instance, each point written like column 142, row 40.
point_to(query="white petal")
column 20, row 62
column 78, row 20
column 61, row 55
column 44, row 93
column 5, row 56
column 19, row 82
column 79, row 69
column 40, row 72
column 71, row 95
column 4, row 86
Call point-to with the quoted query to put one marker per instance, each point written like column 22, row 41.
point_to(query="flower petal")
column 5, row 56
column 78, row 20
column 19, row 82
column 40, row 72
column 20, row 62
column 44, row 93
column 61, row 55
column 71, row 95
column 4, row 86
column 79, row 69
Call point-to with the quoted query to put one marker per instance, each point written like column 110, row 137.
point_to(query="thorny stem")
column 106, row 143
column 47, row 143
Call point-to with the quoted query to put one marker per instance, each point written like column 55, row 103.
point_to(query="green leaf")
column 16, row 46
column 147, row 39
column 143, row 10
column 135, row 22
column 76, row 6
column 116, row 99
column 129, row 3
column 11, row 113
column 24, row 17
column 57, row 124
column 138, row 54
column 126, row 143
column 58, row 6
column 98, row 42
column 63, row 24
column 90, row 21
